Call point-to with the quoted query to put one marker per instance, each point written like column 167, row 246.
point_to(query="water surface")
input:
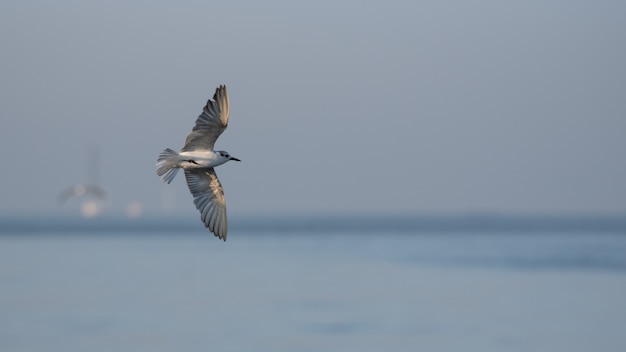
column 313, row 290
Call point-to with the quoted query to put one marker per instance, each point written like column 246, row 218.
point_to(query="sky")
column 337, row 107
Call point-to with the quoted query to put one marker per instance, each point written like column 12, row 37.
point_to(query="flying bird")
column 198, row 159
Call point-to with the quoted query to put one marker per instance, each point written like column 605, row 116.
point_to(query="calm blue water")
column 313, row 291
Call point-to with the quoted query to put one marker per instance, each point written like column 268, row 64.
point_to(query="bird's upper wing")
column 211, row 123
column 208, row 196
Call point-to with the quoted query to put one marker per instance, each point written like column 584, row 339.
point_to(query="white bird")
column 198, row 159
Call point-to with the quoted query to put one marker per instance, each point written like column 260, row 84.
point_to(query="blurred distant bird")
column 198, row 159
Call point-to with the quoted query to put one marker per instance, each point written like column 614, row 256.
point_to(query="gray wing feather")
column 208, row 196
column 211, row 123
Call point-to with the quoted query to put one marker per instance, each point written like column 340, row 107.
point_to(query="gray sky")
column 337, row 106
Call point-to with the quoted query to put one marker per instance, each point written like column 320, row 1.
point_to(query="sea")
column 314, row 284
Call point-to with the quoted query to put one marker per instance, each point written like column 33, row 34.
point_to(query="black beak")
column 231, row 158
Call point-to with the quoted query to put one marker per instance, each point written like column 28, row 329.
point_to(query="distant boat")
column 91, row 187
column 82, row 190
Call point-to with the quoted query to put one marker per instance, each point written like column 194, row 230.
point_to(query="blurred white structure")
column 91, row 192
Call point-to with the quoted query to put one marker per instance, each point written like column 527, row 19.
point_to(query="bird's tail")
column 167, row 165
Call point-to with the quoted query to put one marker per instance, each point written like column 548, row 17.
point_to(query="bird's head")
column 226, row 157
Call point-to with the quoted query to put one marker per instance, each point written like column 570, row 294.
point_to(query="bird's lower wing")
column 208, row 196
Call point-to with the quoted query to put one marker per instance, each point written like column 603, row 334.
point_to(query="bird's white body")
column 198, row 159
column 202, row 159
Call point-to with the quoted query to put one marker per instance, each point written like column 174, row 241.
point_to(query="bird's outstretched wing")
column 211, row 123
column 208, row 196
